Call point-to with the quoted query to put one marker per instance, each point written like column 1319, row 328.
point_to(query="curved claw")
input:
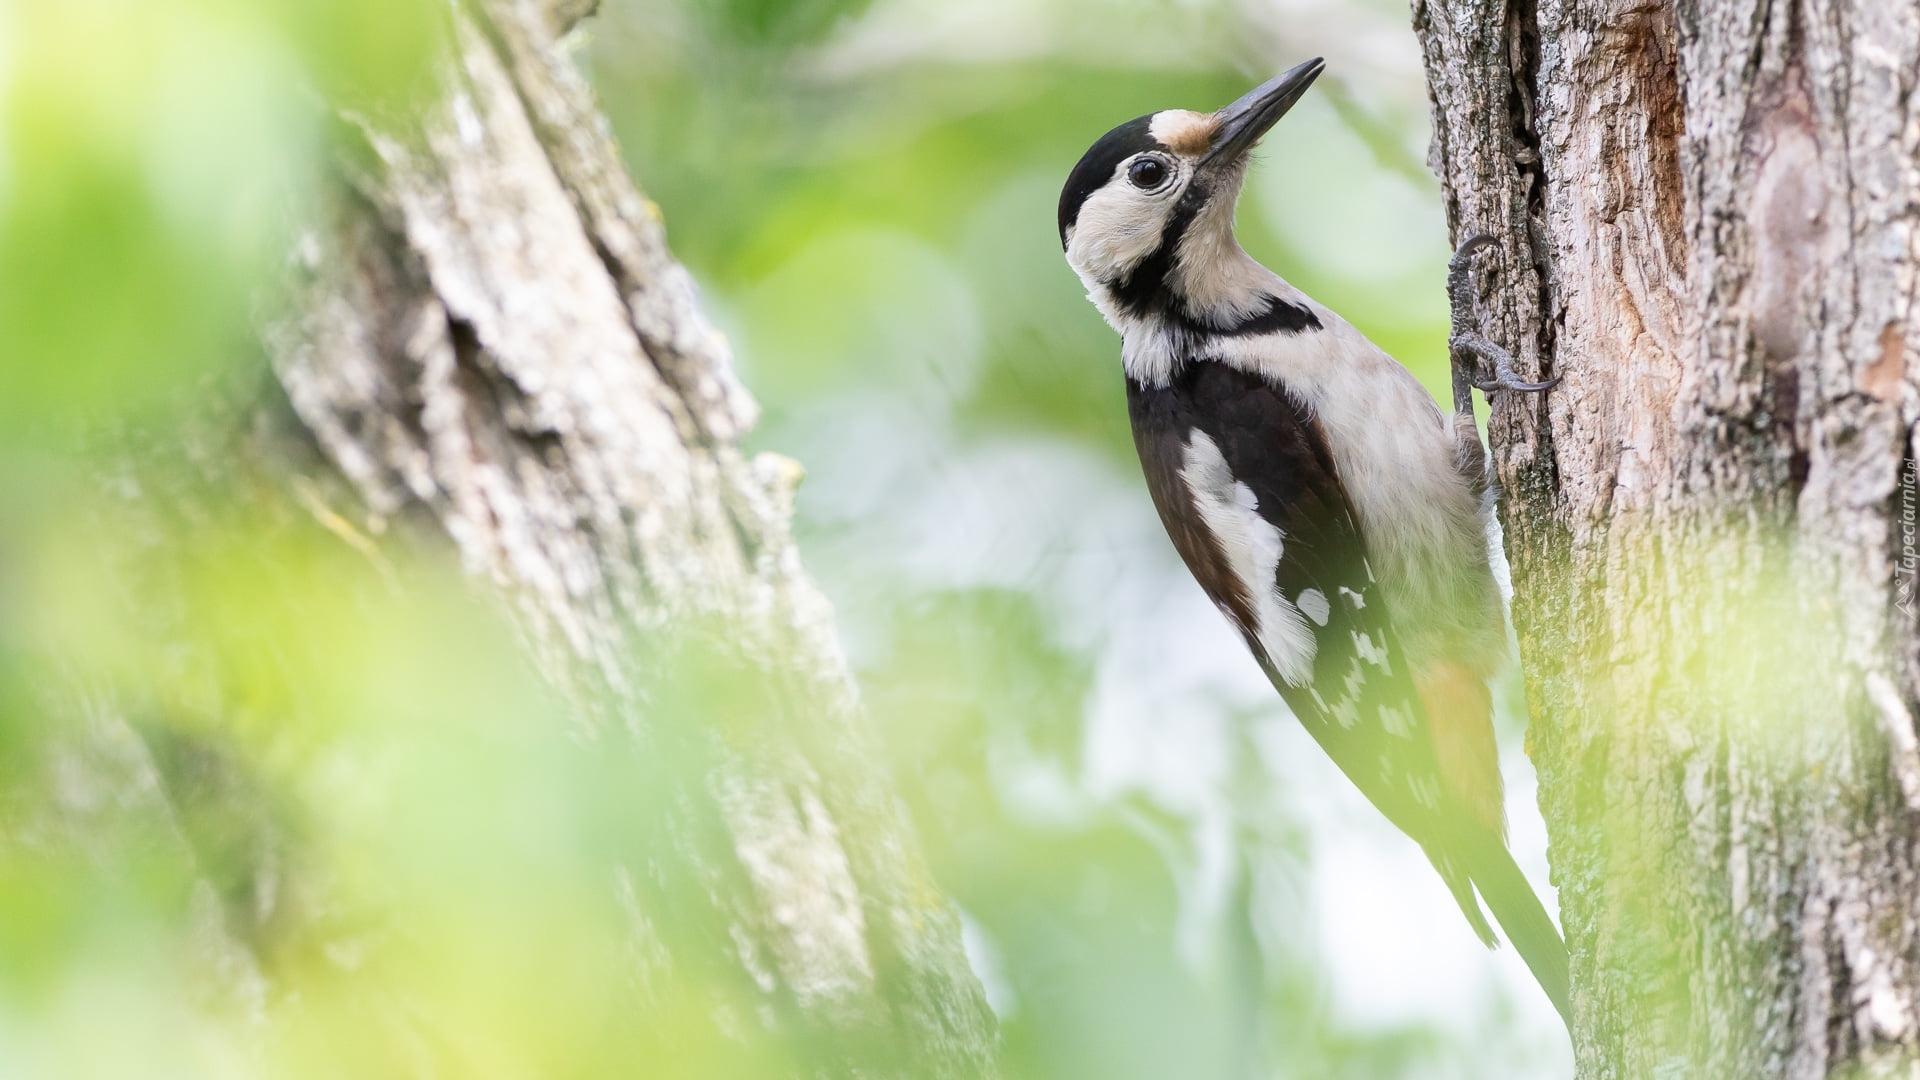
column 1472, row 244
column 1504, row 383
column 1467, row 342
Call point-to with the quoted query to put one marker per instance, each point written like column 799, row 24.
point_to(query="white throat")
column 1224, row 289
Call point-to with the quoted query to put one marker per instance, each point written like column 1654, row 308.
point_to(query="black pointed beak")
column 1242, row 123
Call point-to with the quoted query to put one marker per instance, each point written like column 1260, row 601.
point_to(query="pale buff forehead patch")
column 1185, row 133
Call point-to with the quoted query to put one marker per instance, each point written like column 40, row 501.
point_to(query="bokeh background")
column 1159, row 873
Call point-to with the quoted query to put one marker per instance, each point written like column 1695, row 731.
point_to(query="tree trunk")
column 1708, row 220
column 490, row 334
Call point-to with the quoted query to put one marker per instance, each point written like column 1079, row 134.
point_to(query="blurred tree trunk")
column 1708, row 213
column 491, row 335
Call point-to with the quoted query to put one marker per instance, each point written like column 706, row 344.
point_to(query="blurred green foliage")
column 149, row 156
column 273, row 805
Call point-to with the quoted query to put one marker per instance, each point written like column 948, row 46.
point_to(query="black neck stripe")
column 1278, row 317
column 1144, row 291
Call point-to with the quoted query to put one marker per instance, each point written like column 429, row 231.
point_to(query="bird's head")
column 1148, row 212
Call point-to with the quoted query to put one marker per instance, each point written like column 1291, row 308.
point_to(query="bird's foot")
column 1478, row 363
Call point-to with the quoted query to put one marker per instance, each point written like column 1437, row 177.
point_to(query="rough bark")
column 1708, row 217
column 490, row 335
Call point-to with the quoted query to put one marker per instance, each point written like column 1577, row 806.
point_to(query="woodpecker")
column 1315, row 489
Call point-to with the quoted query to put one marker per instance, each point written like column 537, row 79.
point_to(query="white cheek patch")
column 1115, row 233
column 1252, row 546
column 1117, row 229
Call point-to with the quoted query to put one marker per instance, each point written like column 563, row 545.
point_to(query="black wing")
column 1355, row 694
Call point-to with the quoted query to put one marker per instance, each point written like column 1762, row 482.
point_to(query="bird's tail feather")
column 1519, row 912
column 1460, row 882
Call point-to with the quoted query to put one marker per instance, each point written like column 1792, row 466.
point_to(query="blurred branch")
column 491, row 331
column 564, row 15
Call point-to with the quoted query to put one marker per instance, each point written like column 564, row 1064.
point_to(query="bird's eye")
column 1147, row 173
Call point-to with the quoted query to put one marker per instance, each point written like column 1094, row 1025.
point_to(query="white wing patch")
column 1373, row 652
column 1343, row 711
column 1253, row 546
column 1352, row 685
column 1425, row 791
column 1314, row 604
